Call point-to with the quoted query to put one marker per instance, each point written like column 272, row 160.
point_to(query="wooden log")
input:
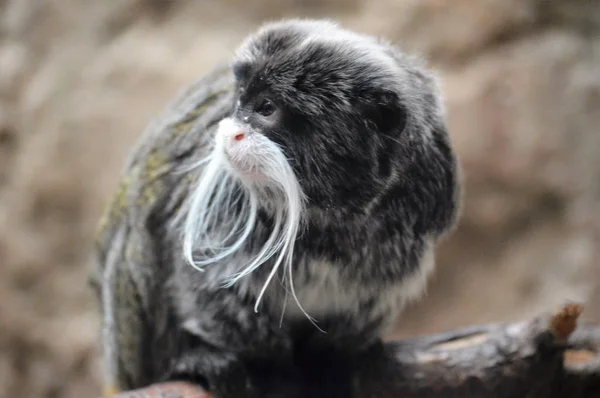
column 549, row 356
column 164, row 390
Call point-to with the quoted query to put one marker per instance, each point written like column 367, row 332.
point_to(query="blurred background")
column 79, row 80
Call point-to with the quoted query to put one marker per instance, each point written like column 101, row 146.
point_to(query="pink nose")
column 239, row 136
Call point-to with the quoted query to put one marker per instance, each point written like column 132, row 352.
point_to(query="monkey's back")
column 134, row 252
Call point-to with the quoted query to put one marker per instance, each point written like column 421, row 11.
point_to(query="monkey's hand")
column 130, row 267
column 222, row 374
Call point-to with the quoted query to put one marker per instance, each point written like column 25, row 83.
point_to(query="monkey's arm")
column 125, row 332
column 130, row 267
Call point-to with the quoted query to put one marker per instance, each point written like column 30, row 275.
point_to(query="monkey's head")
column 324, row 118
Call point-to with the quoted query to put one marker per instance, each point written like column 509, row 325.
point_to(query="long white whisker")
column 197, row 214
column 239, row 242
column 270, row 247
column 266, row 284
column 291, row 279
column 193, row 166
column 237, row 220
column 284, row 308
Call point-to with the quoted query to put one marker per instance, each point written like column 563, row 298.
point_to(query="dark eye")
column 265, row 108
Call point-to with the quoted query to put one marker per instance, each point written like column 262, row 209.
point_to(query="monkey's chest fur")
column 351, row 282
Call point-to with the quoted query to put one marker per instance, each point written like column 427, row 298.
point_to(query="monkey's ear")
column 385, row 110
column 241, row 70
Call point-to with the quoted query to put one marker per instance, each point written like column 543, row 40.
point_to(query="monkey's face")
column 328, row 107
column 325, row 119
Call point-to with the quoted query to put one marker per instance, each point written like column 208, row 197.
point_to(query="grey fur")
column 382, row 182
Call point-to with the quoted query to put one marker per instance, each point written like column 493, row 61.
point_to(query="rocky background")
column 79, row 80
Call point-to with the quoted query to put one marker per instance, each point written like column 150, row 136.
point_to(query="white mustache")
column 212, row 220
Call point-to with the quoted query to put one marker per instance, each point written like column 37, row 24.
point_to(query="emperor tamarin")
column 277, row 216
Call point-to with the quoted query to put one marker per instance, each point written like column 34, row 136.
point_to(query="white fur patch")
column 328, row 292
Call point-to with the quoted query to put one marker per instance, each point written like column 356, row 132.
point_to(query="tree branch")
column 546, row 357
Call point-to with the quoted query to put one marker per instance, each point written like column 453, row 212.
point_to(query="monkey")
column 277, row 216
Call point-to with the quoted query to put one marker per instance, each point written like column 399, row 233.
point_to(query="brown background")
column 79, row 80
